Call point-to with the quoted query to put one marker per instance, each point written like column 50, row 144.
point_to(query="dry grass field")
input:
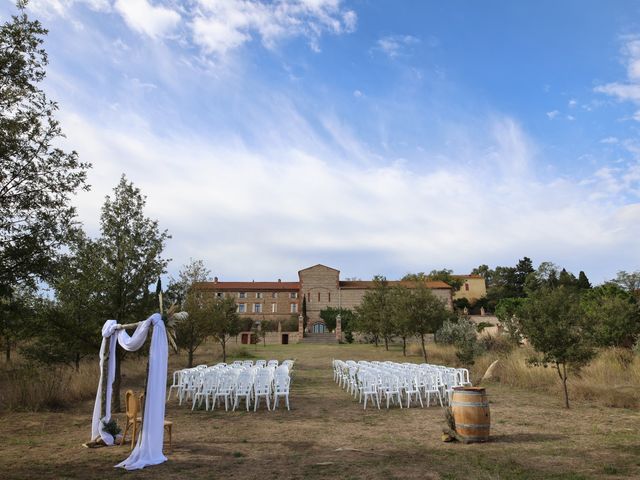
column 328, row 435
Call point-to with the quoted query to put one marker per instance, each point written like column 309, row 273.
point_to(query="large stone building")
column 319, row 287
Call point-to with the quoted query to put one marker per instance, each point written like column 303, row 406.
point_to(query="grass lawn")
column 328, row 435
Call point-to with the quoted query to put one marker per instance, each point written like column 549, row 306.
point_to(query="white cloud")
column 553, row 114
column 610, row 140
column 50, row 8
column 572, row 103
column 357, row 93
column 288, row 204
column 143, row 17
column 221, row 26
column 628, row 91
column 395, row 45
column 571, row 118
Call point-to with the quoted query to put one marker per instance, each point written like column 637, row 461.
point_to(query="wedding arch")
column 148, row 449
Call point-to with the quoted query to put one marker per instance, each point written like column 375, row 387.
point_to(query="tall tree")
column 37, row 178
column 194, row 330
column 225, row 322
column 132, row 246
column 426, row 313
column 583, row 281
column 553, row 322
column 372, row 312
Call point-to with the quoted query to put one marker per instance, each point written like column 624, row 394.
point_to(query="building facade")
column 319, row 287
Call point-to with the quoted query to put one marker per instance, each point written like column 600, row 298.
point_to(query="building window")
column 257, row 308
column 242, row 307
column 274, row 295
column 309, row 297
column 242, row 295
column 466, row 287
column 293, row 295
column 219, row 294
column 318, row 296
column 274, row 307
column 294, row 308
column 329, row 297
column 258, row 294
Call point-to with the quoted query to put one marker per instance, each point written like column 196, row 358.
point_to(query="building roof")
column 435, row 285
column 247, row 286
column 467, row 276
column 318, row 265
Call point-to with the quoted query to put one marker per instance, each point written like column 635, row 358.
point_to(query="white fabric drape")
column 108, row 329
column 148, row 450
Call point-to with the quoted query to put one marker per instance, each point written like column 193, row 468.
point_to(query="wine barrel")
column 470, row 408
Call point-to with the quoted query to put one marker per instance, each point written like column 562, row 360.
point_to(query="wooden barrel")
column 470, row 407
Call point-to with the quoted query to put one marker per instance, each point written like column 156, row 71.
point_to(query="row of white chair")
column 242, row 380
column 396, row 382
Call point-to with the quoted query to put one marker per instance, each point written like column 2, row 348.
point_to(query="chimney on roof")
column 215, row 279
column 279, row 280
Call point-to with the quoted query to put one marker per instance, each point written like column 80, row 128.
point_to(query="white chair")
column 390, row 388
column 370, row 390
column 209, row 387
column 261, row 363
column 261, row 388
column 177, row 382
column 243, row 389
column 225, row 390
column 281, row 389
column 411, row 389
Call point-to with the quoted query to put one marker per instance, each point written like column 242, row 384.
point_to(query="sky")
column 372, row 136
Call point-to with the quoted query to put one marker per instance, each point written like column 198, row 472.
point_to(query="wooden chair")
column 132, row 404
column 134, row 407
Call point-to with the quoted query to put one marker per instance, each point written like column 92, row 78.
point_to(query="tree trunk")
column 386, row 344
column 375, row 337
column 563, row 377
column 404, row 346
column 224, row 350
column 424, row 349
column 7, row 351
column 115, row 398
column 190, row 358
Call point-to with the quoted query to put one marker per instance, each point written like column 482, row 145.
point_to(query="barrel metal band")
column 469, row 404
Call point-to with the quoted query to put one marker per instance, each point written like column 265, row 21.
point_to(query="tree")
column 193, row 331
column 446, row 277
column 398, row 314
column 507, row 312
column 17, row 314
column 613, row 316
column 372, row 311
column 69, row 328
column 193, row 272
column 463, row 334
column 225, row 322
column 553, row 322
column 347, row 320
column 583, row 281
column 425, row 313
column 37, row 179
column 628, row 281
column 132, row 246
column 485, row 272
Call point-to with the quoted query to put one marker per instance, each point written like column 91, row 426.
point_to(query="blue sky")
column 372, row 136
